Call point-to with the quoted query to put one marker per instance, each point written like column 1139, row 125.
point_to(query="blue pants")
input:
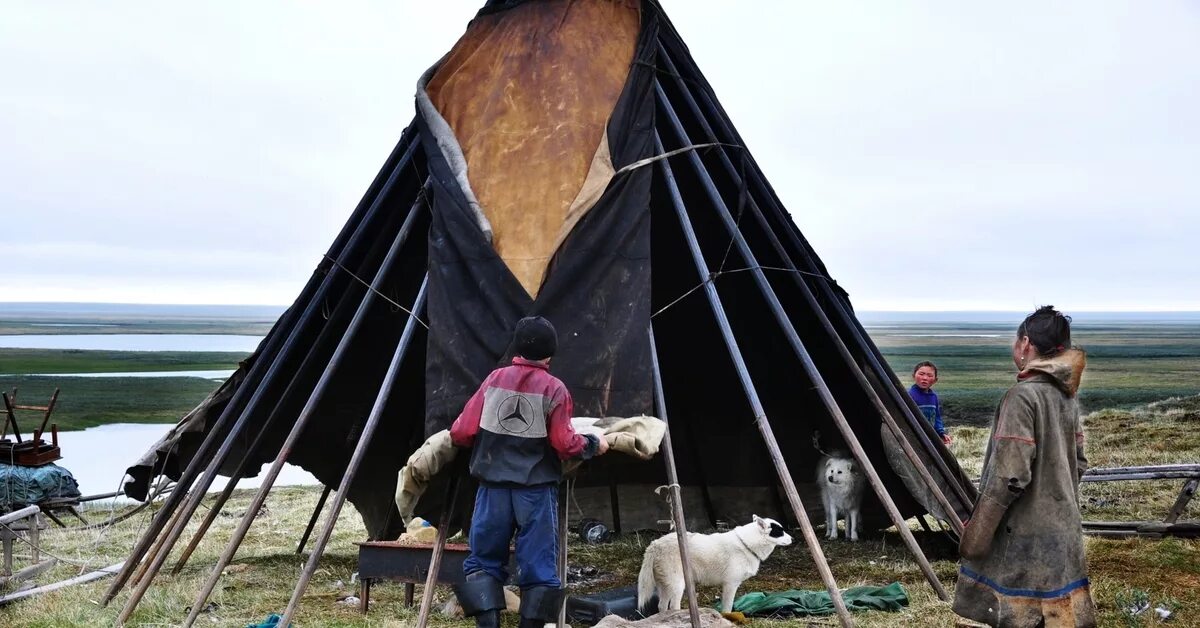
column 530, row 512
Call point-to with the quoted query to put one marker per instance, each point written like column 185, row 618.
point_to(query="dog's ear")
column 758, row 520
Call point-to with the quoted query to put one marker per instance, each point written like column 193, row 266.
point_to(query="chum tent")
column 567, row 159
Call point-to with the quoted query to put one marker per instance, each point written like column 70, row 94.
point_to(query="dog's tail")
column 646, row 582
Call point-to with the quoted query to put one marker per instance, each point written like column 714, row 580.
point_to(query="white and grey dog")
column 726, row 558
column 841, row 492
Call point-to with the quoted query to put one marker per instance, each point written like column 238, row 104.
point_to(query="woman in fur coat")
column 1022, row 550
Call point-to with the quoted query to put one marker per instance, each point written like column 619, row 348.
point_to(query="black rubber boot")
column 482, row 597
column 540, row 606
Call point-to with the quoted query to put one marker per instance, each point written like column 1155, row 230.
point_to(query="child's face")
column 925, row 377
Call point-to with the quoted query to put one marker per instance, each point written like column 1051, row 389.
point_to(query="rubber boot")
column 540, row 606
column 482, row 597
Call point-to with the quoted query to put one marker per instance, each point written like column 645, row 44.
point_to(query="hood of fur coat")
column 1065, row 369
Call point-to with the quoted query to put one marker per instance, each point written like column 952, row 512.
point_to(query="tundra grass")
column 85, row 402
column 24, row 361
column 260, row 579
column 90, row 401
column 1128, row 365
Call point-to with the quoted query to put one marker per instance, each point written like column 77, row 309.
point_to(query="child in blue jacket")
column 925, row 375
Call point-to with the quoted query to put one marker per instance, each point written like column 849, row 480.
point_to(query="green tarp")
column 795, row 602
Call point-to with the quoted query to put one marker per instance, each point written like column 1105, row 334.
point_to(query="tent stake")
column 810, row 299
column 676, row 501
column 312, row 521
column 760, row 417
column 435, row 558
column 275, row 344
column 963, row 489
column 810, row 367
column 360, row 452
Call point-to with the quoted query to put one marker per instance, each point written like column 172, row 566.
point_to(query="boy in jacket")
column 518, row 425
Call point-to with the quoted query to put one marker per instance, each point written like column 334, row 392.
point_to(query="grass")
column 23, row 361
column 1128, row 365
column 90, row 401
column 260, row 579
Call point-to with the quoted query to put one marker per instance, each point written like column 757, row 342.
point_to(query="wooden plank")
column 31, row 571
column 27, row 511
column 1142, row 469
column 1156, row 475
column 1181, row 502
column 95, row 575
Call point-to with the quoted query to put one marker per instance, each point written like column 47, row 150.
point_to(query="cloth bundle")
column 638, row 436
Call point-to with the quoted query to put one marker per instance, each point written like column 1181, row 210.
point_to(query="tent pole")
column 243, row 420
column 275, row 344
column 676, row 501
column 360, row 452
column 435, row 558
column 312, row 521
column 145, row 565
column 810, row 367
column 760, row 416
column 966, row 494
column 252, row 452
column 823, row 318
column 563, row 515
column 215, row 509
column 306, row 413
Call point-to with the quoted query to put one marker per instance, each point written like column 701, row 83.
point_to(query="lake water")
column 132, row 342
column 98, row 457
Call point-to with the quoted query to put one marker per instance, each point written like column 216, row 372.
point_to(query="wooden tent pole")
column 252, row 452
column 676, row 500
column 760, row 417
column 264, row 366
column 823, row 318
column 312, row 521
column 145, row 564
column 810, row 367
column 318, row 393
column 218, row 459
column 439, row 550
column 360, row 452
column 967, row 494
column 561, row 563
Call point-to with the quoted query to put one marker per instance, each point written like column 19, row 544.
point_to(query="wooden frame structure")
column 1170, row 525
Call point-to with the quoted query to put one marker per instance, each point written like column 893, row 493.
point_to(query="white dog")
column 727, row 559
column 841, row 492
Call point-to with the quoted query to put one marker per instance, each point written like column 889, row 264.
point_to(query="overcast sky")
column 938, row 155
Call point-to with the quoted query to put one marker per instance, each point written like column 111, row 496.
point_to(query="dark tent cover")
column 532, row 182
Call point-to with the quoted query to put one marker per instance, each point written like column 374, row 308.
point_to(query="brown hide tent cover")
column 529, row 185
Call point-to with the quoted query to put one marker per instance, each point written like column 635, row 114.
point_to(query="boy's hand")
column 946, row 438
column 603, row 447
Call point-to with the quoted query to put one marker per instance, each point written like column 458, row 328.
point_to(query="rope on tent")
column 671, row 153
column 377, row 293
column 718, row 273
column 667, row 488
column 741, row 210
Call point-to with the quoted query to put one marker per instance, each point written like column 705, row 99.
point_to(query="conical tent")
column 568, row 159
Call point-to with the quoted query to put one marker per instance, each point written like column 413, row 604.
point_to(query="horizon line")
column 855, row 310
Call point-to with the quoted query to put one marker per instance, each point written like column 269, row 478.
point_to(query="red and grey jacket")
column 519, row 425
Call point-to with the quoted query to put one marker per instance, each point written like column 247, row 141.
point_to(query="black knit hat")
column 535, row 338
